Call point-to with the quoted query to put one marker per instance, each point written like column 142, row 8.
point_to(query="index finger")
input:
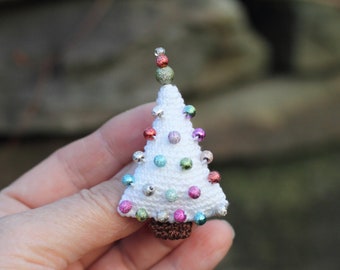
column 85, row 162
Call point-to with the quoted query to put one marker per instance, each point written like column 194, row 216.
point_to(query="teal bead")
column 128, row 179
column 200, row 218
column 165, row 75
column 189, row 111
column 171, row 195
column 160, row 161
column 141, row 215
column 186, row 163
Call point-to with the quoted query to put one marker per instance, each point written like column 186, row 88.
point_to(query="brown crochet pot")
column 170, row 231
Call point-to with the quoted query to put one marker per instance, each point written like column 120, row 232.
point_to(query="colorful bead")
column 141, row 215
column 149, row 134
column 162, row 60
column 159, row 51
column 160, row 161
column 157, row 112
column 186, row 163
column 194, row 192
column 179, row 215
column 200, row 218
column 165, row 75
column 174, row 137
column 162, row 216
column 125, row 206
column 148, row 190
column 199, row 134
column 128, row 179
column 207, row 156
column 138, row 156
column 171, row 195
column 214, row 177
column 189, row 111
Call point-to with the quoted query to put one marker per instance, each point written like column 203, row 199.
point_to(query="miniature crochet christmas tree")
column 172, row 184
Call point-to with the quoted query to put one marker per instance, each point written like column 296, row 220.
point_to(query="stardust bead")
column 200, row 218
column 162, row 60
column 186, row 163
column 207, row 156
column 157, row 112
column 165, row 75
column 159, row 51
column 162, row 216
column 189, row 111
column 128, row 180
column 149, row 134
column 138, row 156
column 199, row 134
column 174, row 137
column 180, row 215
column 160, row 161
column 141, row 215
column 148, row 189
column 125, row 206
column 214, row 177
column 171, row 195
column 194, row 192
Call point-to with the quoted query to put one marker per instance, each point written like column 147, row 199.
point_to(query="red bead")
column 214, row 177
column 149, row 134
column 162, row 60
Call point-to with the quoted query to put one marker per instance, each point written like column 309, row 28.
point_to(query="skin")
column 62, row 213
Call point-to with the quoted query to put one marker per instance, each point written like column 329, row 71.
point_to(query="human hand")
column 62, row 213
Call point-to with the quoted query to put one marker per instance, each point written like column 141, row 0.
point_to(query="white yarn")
column 212, row 200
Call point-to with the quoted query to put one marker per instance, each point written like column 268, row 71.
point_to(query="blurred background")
column 264, row 76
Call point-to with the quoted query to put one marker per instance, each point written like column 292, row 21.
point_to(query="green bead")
column 171, row 195
column 186, row 163
column 141, row 215
column 165, row 75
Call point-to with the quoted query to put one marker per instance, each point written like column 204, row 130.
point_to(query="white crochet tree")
column 172, row 184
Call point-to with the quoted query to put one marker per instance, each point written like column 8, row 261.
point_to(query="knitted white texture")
column 212, row 200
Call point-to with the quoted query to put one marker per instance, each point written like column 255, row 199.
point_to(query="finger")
column 85, row 162
column 58, row 234
column 205, row 249
column 143, row 251
column 140, row 250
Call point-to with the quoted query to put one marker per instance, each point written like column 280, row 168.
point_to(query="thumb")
column 55, row 235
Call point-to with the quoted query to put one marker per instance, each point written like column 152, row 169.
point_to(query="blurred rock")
column 66, row 67
column 271, row 117
column 317, row 37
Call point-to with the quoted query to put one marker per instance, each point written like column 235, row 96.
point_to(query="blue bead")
column 171, row 195
column 128, row 179
column 159, row 160
column 200, row 218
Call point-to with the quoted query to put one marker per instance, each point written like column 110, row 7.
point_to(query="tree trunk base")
column 170, row 231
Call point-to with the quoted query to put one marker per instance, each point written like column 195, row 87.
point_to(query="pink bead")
column 194, row 192
column 149, row 134
column 125, row 206
column 214, row 177
column 179, row 215
column 162, row 60
column 199, row 134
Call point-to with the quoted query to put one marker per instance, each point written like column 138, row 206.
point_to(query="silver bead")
column 148, row 190
column 138, row 157
column 158, row 51
column 157, row 112
column 207, row 156
column 223, row 210
column 162, row 216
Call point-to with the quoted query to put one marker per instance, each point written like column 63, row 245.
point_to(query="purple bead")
column 199, row 134
column 179, row 215
column 125, row 206
column 174, row 137
column 194, row 192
